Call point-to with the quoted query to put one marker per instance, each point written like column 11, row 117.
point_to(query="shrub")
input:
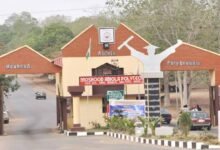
column 185, row 122
column 153, row 123
column 117, row 123
column 129, row 126
column 144, row 123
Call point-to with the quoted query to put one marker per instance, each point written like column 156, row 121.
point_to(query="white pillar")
column 76, row 110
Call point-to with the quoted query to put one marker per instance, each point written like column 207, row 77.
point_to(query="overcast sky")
column 43, row 8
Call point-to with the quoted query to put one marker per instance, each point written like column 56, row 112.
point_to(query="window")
column 107, row 71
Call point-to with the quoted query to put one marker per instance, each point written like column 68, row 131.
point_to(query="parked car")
column 40, row 95
column 200, row 119
column 167, row 117
column 6, row 116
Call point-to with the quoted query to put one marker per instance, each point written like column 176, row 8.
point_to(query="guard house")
column 93, row 55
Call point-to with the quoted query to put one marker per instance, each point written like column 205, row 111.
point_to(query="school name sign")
column 110, row 80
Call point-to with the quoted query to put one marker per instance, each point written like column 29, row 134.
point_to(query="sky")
column 41, row 9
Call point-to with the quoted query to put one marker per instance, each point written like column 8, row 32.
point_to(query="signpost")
column 115, row 95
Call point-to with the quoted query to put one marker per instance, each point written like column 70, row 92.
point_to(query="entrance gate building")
column 25, row 60
column 79, row 105
column 188, row 58
column 87, row 106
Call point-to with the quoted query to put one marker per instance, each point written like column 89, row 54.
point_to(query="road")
column 33, row 126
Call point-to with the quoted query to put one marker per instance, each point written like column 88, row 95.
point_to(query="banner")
column 127, row 108
column 110, row 80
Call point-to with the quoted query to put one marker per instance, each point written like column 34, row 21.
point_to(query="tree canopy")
column 160, row 22
column 163, row 22
column 22, row 29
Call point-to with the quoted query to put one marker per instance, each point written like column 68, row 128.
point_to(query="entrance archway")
column 192, row 58
column 25, row 60
column 186, row 57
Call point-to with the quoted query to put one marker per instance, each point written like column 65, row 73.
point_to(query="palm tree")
column 185, row 122
column 144, row 123
column 153, row 123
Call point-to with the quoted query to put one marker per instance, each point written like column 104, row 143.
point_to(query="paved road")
column 33, row 127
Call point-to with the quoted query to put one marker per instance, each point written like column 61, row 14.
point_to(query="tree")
column 163, row 22
column 153, row 123
column 7, row 84
column 103, row 19
column 21, row 26
column 166, row 89
column 58, row 19
column 53, row 37
column 5, row 37
column 144, row 122
column 185, row 122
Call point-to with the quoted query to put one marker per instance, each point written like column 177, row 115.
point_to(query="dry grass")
column 208, row 139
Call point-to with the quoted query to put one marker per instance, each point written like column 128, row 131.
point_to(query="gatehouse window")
column 107, row 69
column 101, row 90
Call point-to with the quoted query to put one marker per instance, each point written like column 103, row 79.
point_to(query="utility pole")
column 1, row 112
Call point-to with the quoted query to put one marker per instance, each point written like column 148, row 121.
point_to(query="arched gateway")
column 190, row 57
column 80, row 84
column 25, row 60
column 80, row 103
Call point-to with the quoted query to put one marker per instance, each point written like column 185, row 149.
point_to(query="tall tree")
column 53, row 37
column 5, row 37
column 103, row 19
column 193, row 21
column 21, row 26
column 64, row 20
column 7, row 84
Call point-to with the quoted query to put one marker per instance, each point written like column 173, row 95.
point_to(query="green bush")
column 144, row 123
column 184, row 123
column 153, row 123
column 129, row 126
column 117, row 123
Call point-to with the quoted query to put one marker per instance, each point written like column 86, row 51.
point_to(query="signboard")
column 18, row 66
column 106, row 35
column 127, row 108
column 115, row 95
column 110, row 80
column 183, row 63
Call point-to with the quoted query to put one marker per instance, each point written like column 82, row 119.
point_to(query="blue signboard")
column 127, row 108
